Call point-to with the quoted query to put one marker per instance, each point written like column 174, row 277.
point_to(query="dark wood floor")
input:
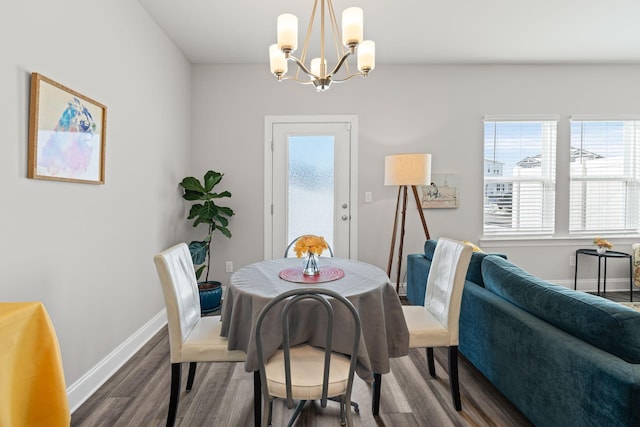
column 138, row 394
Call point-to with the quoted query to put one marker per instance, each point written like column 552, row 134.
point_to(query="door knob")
column 345, row 217
column 345, row 206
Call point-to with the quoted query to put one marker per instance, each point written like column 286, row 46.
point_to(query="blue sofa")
column 564, row 358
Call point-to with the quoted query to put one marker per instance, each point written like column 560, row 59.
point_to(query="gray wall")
column 412, row 108
column 85, row 250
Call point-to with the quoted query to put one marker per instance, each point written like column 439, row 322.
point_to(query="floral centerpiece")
column 310, row 247
column 602, row 245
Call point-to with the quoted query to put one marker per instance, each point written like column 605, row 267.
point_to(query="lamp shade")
column 407, row 169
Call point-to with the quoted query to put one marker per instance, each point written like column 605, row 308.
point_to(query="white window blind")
column 519, row 177
column 604, row 174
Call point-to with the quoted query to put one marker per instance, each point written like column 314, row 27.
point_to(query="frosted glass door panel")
column 310, row 185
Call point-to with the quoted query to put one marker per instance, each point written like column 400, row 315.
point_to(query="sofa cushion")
column 600, row 322
column 474, row 273
column 429, row 248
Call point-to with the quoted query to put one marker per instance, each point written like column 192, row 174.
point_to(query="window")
column 604, row 174
column 519, row 179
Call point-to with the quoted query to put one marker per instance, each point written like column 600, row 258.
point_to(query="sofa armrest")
column 418, row 267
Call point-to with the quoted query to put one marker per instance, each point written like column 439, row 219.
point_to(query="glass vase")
column 601, row 250
column 311, row 266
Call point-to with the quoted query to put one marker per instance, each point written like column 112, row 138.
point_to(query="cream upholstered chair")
column 192, row 338
column 293, row 242
column 304, row 372
column 436, row 323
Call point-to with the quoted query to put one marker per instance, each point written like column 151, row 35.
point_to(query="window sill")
column 546, row 241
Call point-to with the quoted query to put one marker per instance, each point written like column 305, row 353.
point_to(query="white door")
column 310, row 171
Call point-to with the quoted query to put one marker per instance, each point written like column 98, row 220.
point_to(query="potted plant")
column 602, row 245
column 205, row 211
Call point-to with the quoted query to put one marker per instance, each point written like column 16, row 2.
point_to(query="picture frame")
column 442, row 193
column 67, row 134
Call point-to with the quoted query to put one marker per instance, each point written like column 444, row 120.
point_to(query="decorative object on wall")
column 406, row 170
column 66, row 134
column 442, row 192
column 317, row 73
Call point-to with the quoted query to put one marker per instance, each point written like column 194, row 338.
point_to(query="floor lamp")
column 406, row 170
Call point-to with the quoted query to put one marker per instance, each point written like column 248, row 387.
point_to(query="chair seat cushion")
column 307, row 369
column 204, row 344
column 424, row 329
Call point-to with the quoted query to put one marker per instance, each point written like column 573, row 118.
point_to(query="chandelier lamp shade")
column 405, row 170
column 318, row 72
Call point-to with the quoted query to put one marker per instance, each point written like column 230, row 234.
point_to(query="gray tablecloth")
column 384, row 331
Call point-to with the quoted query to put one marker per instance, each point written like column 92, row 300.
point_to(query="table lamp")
column 406, row 170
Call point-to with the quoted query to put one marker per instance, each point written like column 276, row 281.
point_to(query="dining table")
column 384, row 332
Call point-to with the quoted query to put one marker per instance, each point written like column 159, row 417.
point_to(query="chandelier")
column 317, row 73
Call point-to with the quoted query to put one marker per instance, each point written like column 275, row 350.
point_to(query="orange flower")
column 310, row 243
column 602, row 243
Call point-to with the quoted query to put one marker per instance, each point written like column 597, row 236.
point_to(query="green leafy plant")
column 205, row 211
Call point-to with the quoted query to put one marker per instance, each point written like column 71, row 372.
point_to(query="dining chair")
column 436, row 323
column 303, row 372
column 192, row 338
column 293, row 242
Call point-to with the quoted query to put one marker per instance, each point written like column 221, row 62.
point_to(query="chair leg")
column 453, row 377
column 257, row 399
column 430, row 362
column 296, row 413
column 176, row 375
column 266, row 414
column 377, row 383
column 348, row 410
column 354, row 405
column 192, row 374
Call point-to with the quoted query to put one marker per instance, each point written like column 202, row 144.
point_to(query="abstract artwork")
column 442, row 193
column 66, row 134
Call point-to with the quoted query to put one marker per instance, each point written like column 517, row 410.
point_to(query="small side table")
column 607, row 254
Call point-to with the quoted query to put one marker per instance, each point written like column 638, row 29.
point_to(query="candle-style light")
column 352, row 26
column 277, row 60
column 367, row 56
column 318, row 72
column 287, row 32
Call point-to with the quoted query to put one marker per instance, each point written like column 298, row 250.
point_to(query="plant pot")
column 210, row 296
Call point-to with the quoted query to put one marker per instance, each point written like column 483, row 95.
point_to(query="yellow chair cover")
column 32, row 387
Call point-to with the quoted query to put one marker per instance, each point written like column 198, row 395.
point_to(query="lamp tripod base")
column 402, row 194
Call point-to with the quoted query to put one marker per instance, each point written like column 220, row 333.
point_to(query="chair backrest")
column 446, row 283
column 293, row 242
column 293, row 297
column 180, row 289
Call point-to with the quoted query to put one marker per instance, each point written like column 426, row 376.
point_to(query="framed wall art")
column 67, row 133
column 442, row 193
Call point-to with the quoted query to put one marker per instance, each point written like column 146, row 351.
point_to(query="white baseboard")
column 82, row 389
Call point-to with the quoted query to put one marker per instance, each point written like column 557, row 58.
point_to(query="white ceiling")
column 418, row 31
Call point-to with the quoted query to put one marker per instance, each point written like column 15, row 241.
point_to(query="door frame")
column 269, row 122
